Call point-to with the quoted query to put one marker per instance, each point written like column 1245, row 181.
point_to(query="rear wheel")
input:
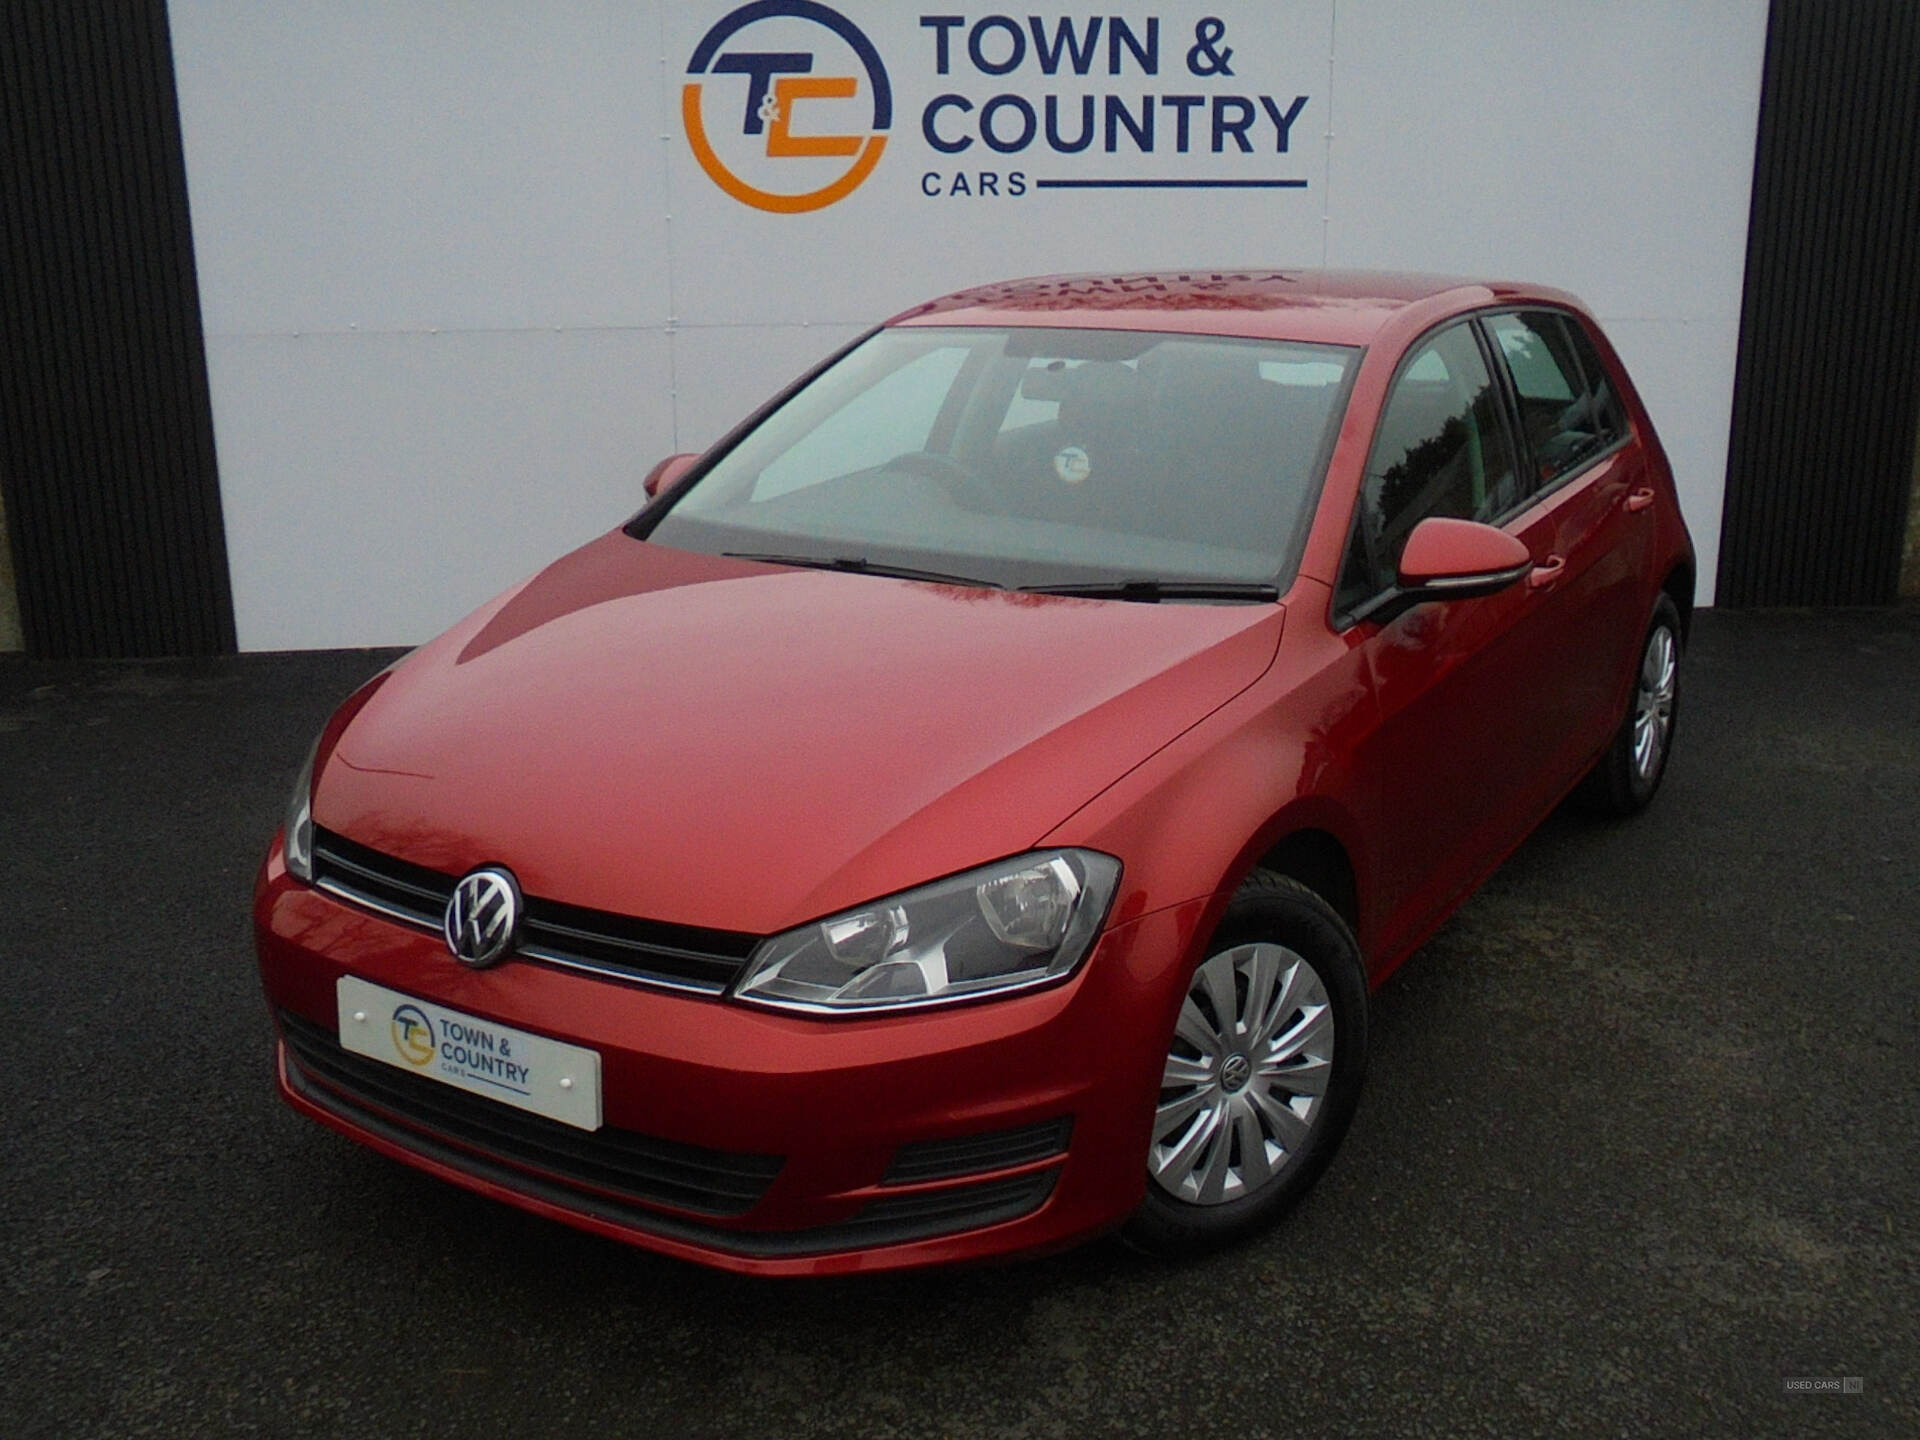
column 1262, row 1073
column 1626, row 777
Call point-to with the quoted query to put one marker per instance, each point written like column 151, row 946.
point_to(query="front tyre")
column 1626, row 777
column 1262, row 1073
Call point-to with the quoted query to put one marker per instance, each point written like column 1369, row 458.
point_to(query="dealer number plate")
column 483, row 1057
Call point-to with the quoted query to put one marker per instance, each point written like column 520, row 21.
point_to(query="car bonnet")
column 722, row 743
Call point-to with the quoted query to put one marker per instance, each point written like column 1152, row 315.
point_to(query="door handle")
column 1546, row 572
column 1640, row 499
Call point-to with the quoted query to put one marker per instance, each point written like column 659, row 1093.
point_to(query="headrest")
column 1047, row 383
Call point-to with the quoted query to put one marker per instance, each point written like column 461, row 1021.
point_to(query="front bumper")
column 748, row 1139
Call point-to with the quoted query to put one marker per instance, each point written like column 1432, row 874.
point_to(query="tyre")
column 1626, row 777
column 1262, row 1073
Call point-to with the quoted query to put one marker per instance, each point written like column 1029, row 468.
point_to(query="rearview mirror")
column 1447, row 559
column 663, row 475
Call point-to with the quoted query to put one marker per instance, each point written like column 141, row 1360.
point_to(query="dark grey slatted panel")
column 106, row 429
column 1827, row 387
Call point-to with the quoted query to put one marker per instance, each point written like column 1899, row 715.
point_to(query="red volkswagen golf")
column 967, row 809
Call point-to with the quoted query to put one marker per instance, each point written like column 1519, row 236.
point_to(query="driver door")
column 1462, row 723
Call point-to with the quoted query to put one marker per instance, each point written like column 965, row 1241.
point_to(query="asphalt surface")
column 1638, row 1142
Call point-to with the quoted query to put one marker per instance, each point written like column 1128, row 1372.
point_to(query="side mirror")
column 1456, row 559
column 662, row 476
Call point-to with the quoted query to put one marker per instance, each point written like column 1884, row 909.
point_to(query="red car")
column 967, row 808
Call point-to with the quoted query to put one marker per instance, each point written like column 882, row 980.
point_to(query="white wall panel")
column 408, row 166
column 378, row 487
column 463, row 276
column 1684, row 371
column 725, row 372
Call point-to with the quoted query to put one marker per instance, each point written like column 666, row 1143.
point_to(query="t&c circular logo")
column 779, row 57
column 412, row 1034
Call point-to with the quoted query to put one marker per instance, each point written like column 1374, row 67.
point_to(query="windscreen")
column 1034, row 457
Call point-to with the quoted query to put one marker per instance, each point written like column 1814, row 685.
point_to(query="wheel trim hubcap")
column 1653, row 702
column 1246, row 1077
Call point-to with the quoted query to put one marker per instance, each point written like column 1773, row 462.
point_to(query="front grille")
column 975, row 1154
column 612, row 1162
column 682, row 956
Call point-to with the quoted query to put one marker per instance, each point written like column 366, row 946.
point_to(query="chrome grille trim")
column 592, row 942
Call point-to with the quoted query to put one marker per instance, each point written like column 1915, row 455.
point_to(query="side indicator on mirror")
column 1447, row 559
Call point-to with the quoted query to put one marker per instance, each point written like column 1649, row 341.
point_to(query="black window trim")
column 1342, row 620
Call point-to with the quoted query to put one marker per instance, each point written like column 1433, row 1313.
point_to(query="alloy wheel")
column 1653, row 702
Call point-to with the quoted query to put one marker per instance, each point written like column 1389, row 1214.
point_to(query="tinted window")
column 1441, row 449
column 1567, row 418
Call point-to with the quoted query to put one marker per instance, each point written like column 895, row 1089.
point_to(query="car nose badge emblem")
column 483, row 917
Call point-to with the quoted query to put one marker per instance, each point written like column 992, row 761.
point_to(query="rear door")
column 1580, row 477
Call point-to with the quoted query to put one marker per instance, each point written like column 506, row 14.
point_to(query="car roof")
column 1343, row 307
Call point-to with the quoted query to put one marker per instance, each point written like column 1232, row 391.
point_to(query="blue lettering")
column 1028, row 124
column 1223, row 127
column 1118, row 115
column 977, row 52
column 760, row 68
column 1079, row 50
column 1182, row 107
column 1119, row 33
column 942, row 25
column 1058, row 141
column 1283, row 124
column 981, row 183
column 934, row 107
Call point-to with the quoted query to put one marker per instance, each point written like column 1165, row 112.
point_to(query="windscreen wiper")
column 860, row 565
column 1151, row 592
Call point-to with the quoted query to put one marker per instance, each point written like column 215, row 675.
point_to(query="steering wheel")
column 963, row 486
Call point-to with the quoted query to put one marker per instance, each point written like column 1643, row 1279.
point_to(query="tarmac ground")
column 1638, row 1144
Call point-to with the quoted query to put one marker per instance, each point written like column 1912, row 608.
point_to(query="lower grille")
column 615, row 1175
column 613, row 1162
column 977, row 1154
column 685, row 957
column 929, row 1213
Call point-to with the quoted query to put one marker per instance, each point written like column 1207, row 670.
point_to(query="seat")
column 1239, row 448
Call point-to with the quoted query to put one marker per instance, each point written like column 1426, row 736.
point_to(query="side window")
column 1441, row 449
column 1606, row 404
column 1567, row 418
column 890, row 419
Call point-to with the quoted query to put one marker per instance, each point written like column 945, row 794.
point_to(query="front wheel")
column 1626, row 777
column 1262, row 1073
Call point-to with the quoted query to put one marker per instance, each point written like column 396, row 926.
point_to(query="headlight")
column 1016, row 923
column 299, row 823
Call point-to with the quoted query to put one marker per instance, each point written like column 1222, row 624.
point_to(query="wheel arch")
column 1318, row 860
column 1678, row 587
